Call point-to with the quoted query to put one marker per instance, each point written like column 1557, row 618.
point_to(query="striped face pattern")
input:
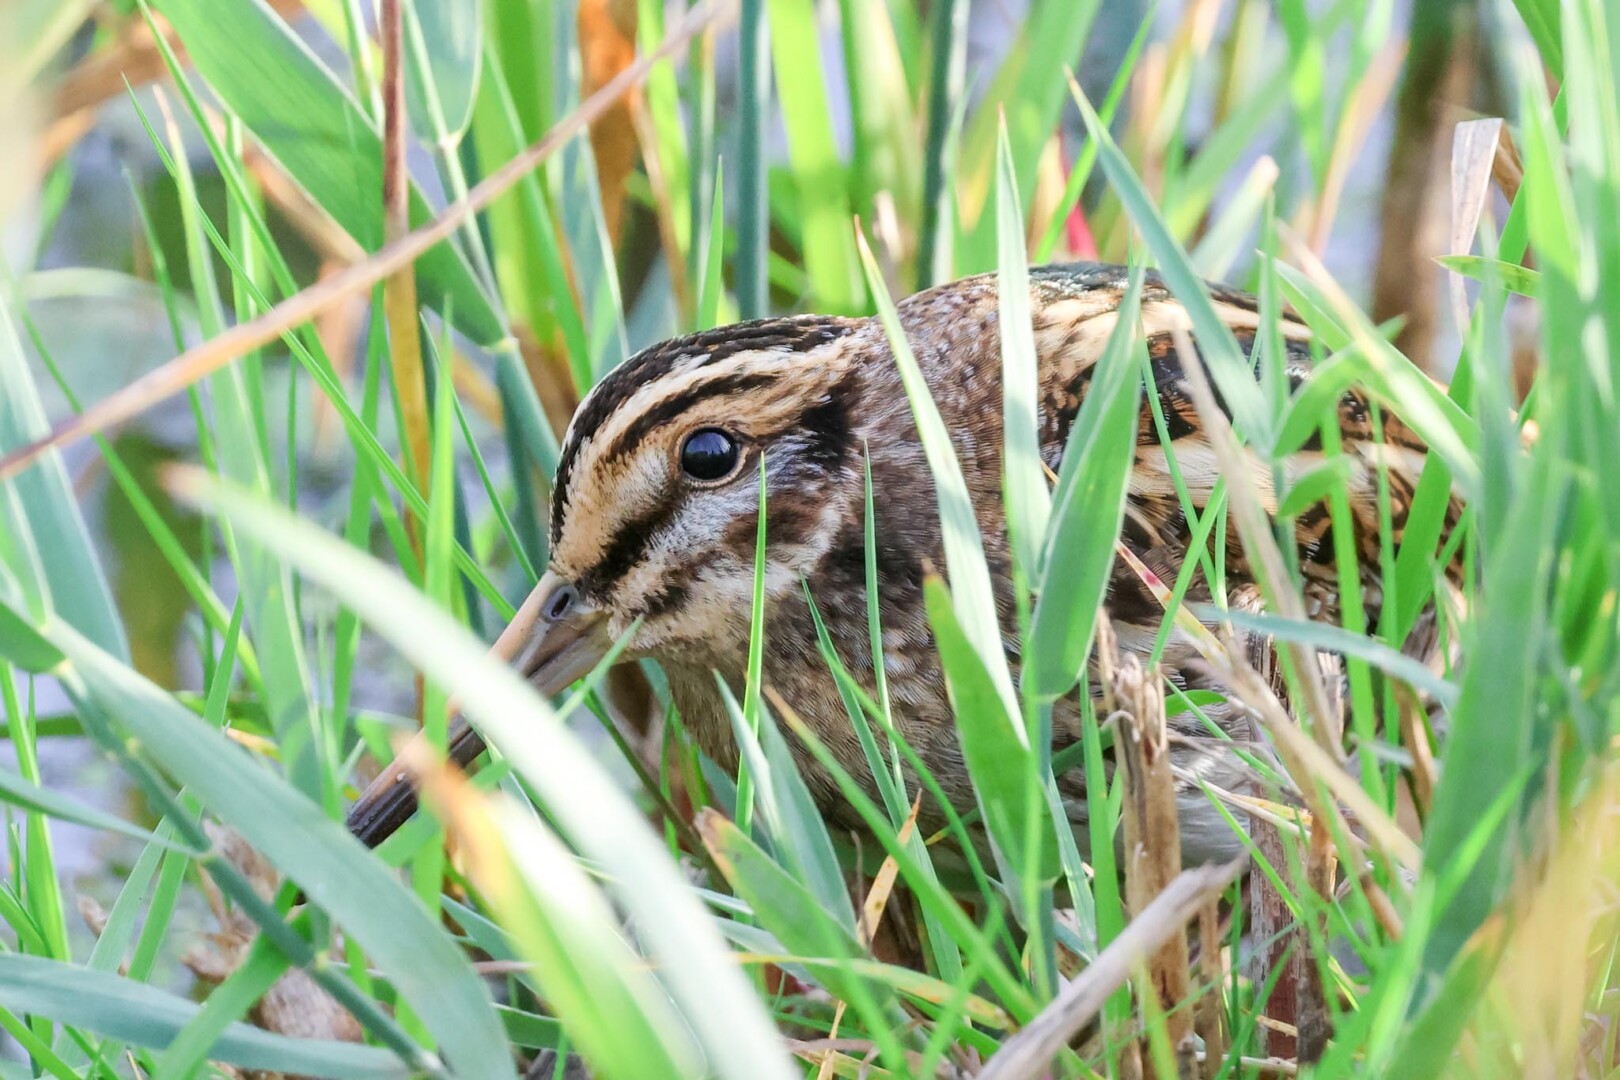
column 644, row 535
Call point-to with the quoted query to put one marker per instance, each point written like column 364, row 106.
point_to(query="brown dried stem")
column 1029, row 1053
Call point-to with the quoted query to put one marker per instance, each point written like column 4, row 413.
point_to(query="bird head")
column 655, row 511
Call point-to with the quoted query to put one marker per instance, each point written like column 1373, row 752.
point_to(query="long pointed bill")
column 552, row 640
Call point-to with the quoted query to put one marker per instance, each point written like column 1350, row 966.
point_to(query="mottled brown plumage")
column 634, row 538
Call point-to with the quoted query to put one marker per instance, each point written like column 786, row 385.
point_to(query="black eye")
column 709, row 454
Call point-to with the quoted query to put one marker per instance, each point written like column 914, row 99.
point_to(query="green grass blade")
column 824, row 210
column 1029, row 503
column 969, row 576
column 144, row 1015
column 1090, row 505
column 46, row 514
column 318, row 853
column 320, row 135
column 444, row 49
column 586, row 804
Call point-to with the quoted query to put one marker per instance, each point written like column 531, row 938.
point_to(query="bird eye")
column 709, row 454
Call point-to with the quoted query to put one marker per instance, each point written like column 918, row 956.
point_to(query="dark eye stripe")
column 656, row 416
column 797, row 334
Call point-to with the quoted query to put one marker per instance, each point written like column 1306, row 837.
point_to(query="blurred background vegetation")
column 175, row 666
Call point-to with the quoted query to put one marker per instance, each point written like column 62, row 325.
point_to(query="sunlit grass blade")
column 612, row 1006
column 824, row 210
column 586, row 804
column 1029, row 89
column 947, row 71
column 969, row 576
column 796, row 829
column 444, row 41
column 1080, row 171
column 801, row 921
column 1029, row 504
column 1229, row 368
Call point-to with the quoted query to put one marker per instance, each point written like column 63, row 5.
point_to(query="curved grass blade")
column 1029, row 503
column 586, row 804
column 444, row 44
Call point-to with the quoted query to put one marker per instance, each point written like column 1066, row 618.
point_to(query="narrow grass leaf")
column 1090, row 505
column 1512, row 276
column 971, row 590
column 444, row 44
column 611, row 1004
column 1230, row 369
column 1328, row 638
column 796, row 829
column 795, row 916
column 1029, row 503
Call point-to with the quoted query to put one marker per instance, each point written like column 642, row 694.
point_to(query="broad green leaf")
column 309, row 123
column 144, row 1015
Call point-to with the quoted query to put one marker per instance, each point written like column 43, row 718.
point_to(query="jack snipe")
column 655, row 508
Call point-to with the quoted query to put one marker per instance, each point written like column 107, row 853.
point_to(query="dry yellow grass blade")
column 399, row 290
column 1210, row 1018
column 607, row 45
column 1546, row 1011
column 1151, row 823
column 215, row 353
column 829, row 1061
column 877, row 897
